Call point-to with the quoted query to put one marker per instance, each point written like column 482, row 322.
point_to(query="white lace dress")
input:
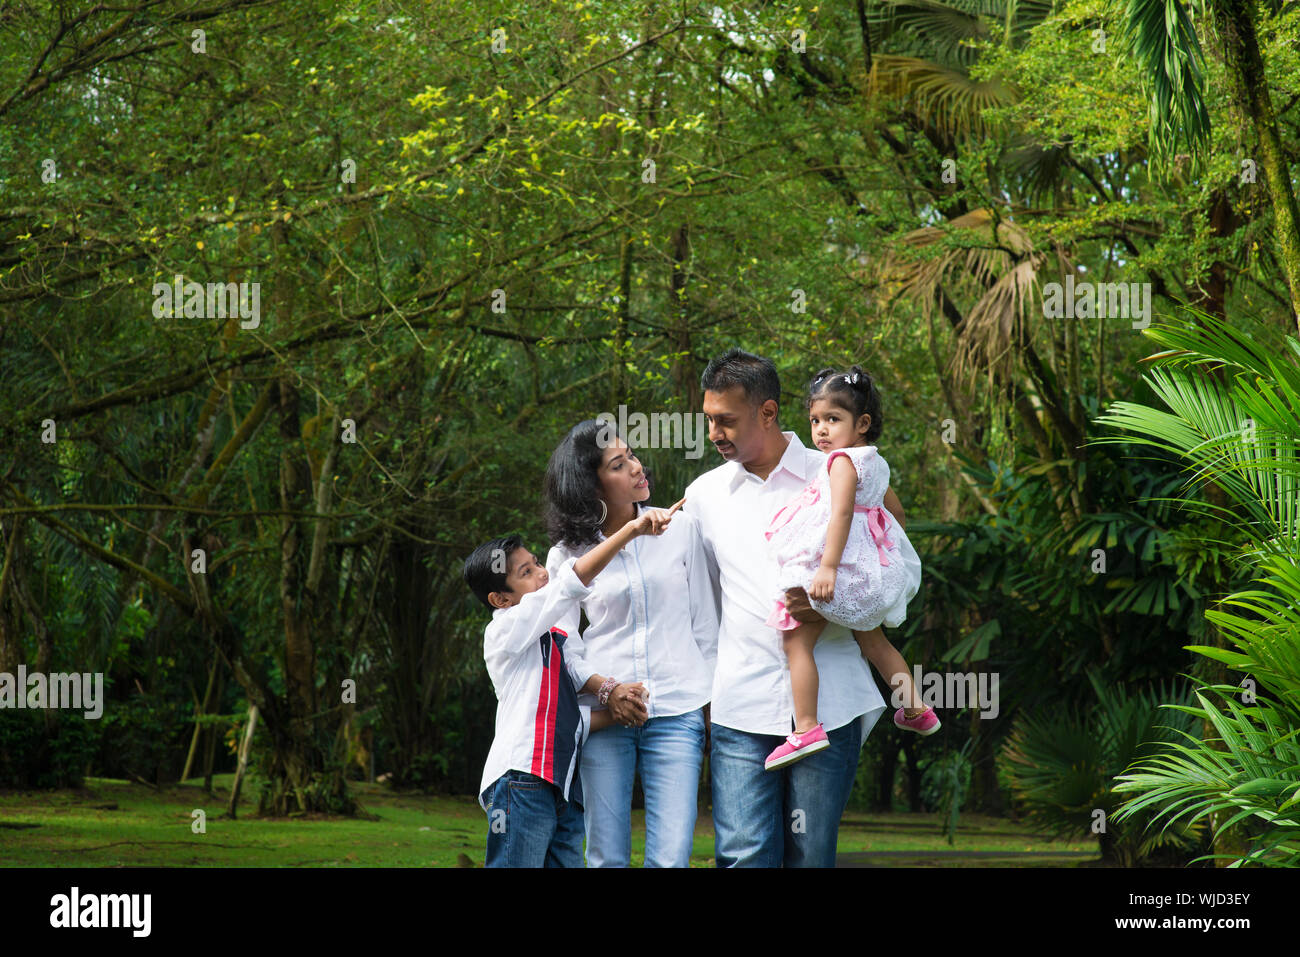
column 879, row 572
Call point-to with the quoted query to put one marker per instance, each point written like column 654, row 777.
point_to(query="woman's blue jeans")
column 667, row 753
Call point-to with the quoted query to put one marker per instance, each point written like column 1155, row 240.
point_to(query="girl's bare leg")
column 803, row 673
column 877, row 649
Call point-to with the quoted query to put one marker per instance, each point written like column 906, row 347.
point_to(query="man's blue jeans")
column 791, row 816
column 530, row 824
column 667, row 752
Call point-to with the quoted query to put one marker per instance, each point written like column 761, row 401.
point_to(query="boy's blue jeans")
column 530, row 824
column 789, row 817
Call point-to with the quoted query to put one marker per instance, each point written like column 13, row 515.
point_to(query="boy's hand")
column 823, row 585
column 653, row 521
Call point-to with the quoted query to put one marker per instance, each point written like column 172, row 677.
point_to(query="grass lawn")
column 114, row 823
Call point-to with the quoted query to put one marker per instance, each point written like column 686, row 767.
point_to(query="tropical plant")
column 945, row 785
column 1165, row 44
column 1234, row 401
column 1060, row 766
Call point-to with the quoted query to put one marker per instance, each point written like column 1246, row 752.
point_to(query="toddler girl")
column 839, row 543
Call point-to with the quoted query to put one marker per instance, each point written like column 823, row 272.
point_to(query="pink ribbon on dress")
column 876, row 522
column 808, row 496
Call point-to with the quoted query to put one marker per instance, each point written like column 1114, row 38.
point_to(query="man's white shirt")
column 751, row 682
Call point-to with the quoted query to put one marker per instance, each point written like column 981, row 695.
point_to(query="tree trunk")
column 244, row 748
column 214, row 734
column 11, row 615
column 1234, row 20
column 304, row 774
column 198, row 725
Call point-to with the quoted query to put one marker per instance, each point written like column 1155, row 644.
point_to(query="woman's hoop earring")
column 604, row 512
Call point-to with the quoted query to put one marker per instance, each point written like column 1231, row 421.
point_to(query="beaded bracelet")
column 606, row 689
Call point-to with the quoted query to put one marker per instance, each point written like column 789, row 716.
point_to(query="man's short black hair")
column 485, row 569
column 754, row 374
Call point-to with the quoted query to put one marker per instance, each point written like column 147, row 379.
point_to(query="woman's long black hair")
column 573, row 499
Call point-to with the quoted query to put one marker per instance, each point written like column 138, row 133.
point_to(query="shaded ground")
column 116, row 823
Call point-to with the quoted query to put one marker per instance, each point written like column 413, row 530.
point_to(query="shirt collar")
column 794, row 461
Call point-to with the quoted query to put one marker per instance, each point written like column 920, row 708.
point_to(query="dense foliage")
column 473, row 225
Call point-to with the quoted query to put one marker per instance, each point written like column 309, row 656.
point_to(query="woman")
column 653, row 621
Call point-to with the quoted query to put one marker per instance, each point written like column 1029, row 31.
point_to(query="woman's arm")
column 626, row 705
column 844, row 484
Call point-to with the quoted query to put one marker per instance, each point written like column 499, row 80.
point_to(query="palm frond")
column 1169, row 54
column 943, row 96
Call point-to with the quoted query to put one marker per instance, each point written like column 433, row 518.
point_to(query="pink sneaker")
column 796, row 748
column 927, row 722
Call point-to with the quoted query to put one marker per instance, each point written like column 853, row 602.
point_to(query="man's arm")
column 895, row 507
column 710, row 559
column 701, row 597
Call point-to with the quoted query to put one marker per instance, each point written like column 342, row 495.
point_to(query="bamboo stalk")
column 243, row 759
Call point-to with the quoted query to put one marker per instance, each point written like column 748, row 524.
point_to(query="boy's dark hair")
column 480, row 570
column 853, row 391
column 755, row 374
column 573, row 503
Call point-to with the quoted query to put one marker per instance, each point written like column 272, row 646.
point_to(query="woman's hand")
column 823, row 585
column 627, row 706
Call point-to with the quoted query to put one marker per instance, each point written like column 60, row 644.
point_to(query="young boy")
column 531, row 788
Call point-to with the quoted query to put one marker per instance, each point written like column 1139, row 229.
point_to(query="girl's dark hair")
column 573, row 486
column 854, row 391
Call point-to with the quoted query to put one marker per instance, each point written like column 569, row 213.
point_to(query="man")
column 791, row 816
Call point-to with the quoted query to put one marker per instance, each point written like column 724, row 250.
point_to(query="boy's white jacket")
column 540, row 728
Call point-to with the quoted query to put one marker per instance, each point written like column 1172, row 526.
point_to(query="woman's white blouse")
column 652, row 616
